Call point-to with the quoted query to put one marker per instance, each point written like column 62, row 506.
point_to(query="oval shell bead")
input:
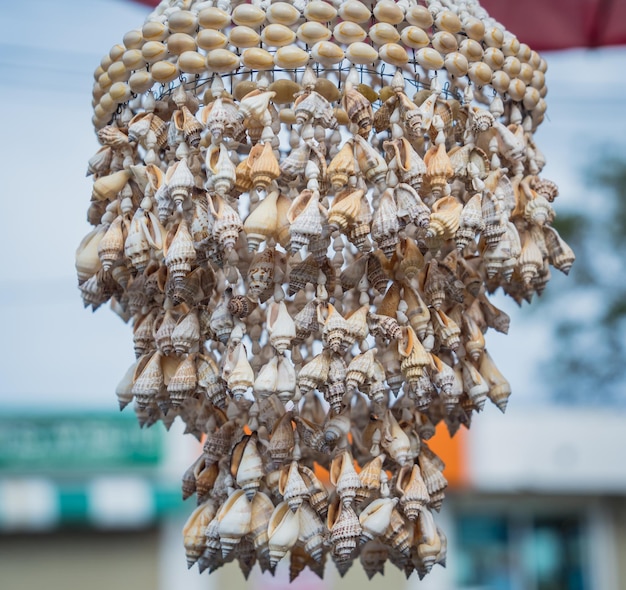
column 500, row 81
column 213, row 18
column 493, row 57
column 444, row 42
column 153, row 51
column 248, row 15
column 456, row 64
column 242, row 36
column 182, row 21
column 312, row 33
column 290, row 57
column 276, row 35
column 446, row 20
column 382, row 33
column 531, row 98
column 354, row 11
column 480, row 73
column 222, row 60
column 388, row 11
column 141, row 82
column 256, row 58
column 133, row 39
column 192, row 62
column 471, row 49
column 320, row 11
column 474, row 28
column 429, row 58
column 327, row 53
column 361, row 53
column 419, row 16
column 120, row 92
column 282, row 13
column 394, row 54
column 348, row 32
column 133, row 59
column 494, row 37
column 154, row 31
column 415, row 37
column 517, row 89
column 209, row 39
column 164, row 71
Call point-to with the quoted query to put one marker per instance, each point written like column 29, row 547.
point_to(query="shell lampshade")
column 302, row 208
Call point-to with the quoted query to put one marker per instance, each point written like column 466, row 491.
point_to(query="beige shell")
column 414, row 37
column 375, row 518
column 283, row 531
column 444, row 42
column 382, row 33
column 222, row 61
column 349, row 32
column 194, row 531
column 256, row 58
column 344, row 477
column 234, row 520
column 419, row 16
column 361, row 53
column 429, row 58
column 248, row 15
column 292, row 487
column 290, row 57
column 320, row 11
column 313, row 32
column 213, row 18
column 327, row 53
column 164, row 71
column 355, row 11
column 277, row 35
column 242, row 36
column 282, row 13
column 247, row 466
column 180, row 42
column 280, row 326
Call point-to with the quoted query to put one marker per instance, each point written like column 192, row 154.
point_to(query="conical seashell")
column 313, row 373
column 246, row 465
column 280, row 326
column 342, row 166
column 413, row 493
column 561, row 255
column 261, row 273
column 227, row 223
column 414, row 357
column 305, row 219
column 344, row 477
column 282, row 439
column 335, row 329
column 180, row 182
column 313, row 107
column 261, row 511
column 438, row 169
column 474, row 385
column 181, row 254
column 436, row 483
column 499, row 388
column 444, row 219
column 410, row 167
column 375, row 517
column 263, row 164
column 359, row 110
column 312, row 532
column 345, row 531
column 292, row 487
column 242, row 375
column 110, row 245
column 470, row 222
column 262, row 222
column 186, row 122
column 234, row 521
column 209, row 381
column 186, row 335
column 429, row 544
column 183, row 383
column 221, row 322
column 370, row 161
column 148, row 384
column 394, row 440
column 412, row 261
column 87, row 259
column 223, row 172
column 194, row 531
column 283, row 531
column 446, row 329
column 385, row 225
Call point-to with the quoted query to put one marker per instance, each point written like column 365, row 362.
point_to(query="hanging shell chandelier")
column 302, row 207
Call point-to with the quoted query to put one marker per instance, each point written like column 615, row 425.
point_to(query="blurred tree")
column 588, row 361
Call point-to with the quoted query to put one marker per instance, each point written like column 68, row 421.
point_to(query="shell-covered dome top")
column 302, row 208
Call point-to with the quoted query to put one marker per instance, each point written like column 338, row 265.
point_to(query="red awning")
column 556, row 24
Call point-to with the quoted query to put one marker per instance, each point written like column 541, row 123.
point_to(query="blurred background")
column 87, row 499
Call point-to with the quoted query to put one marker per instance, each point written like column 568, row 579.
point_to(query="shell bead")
column 305, row 244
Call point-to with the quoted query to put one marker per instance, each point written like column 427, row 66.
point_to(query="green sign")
column 81, row 442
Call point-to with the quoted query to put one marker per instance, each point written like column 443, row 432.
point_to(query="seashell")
column 194, row 531
column 213, row 18
column 336, row 387
column 186, row 335
column 313, row 32
column 243, row 37
column 335, row 328
column 183, row 383
column 345, row 209
column 444, row 219
column 148, row 384
column 359, row 52
column 359, row 110
column 354, row 11
column 282, row 13
column 312, row 532
column 414, row 358
column 414, row 37
column 242, row 376
column 209, row 381
column 383, row 32
column 394, row 440
column 234, row 521
column 292, row 487
column 256, row 58
column 499, row 388
column 561, row 256
column 444, row 42
column 280, row 326
column 412, row 490
column 191, row 62
column 456, row 63
column 182, row 21
column 436, row 483
column 291, row 57
column 283, row 532
column 246, row 466
column 438, row 169
column 327, row 53
column 260, row 512
column 248, row 15
column 474, row 385
column 385, row 225
column 429, row 544
column 345, row 531
column 277, row 35
column 282, row 439
column 315, row 108
column 348, row 32
column 209, row 39
column 320, row 11
column 181, row 254
column 222, row 61
column 227, row 224
column 285, row 91
column 429, row 58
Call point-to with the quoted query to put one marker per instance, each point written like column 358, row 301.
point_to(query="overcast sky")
column 55, row 354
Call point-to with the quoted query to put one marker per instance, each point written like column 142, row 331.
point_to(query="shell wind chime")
column 301, row 207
